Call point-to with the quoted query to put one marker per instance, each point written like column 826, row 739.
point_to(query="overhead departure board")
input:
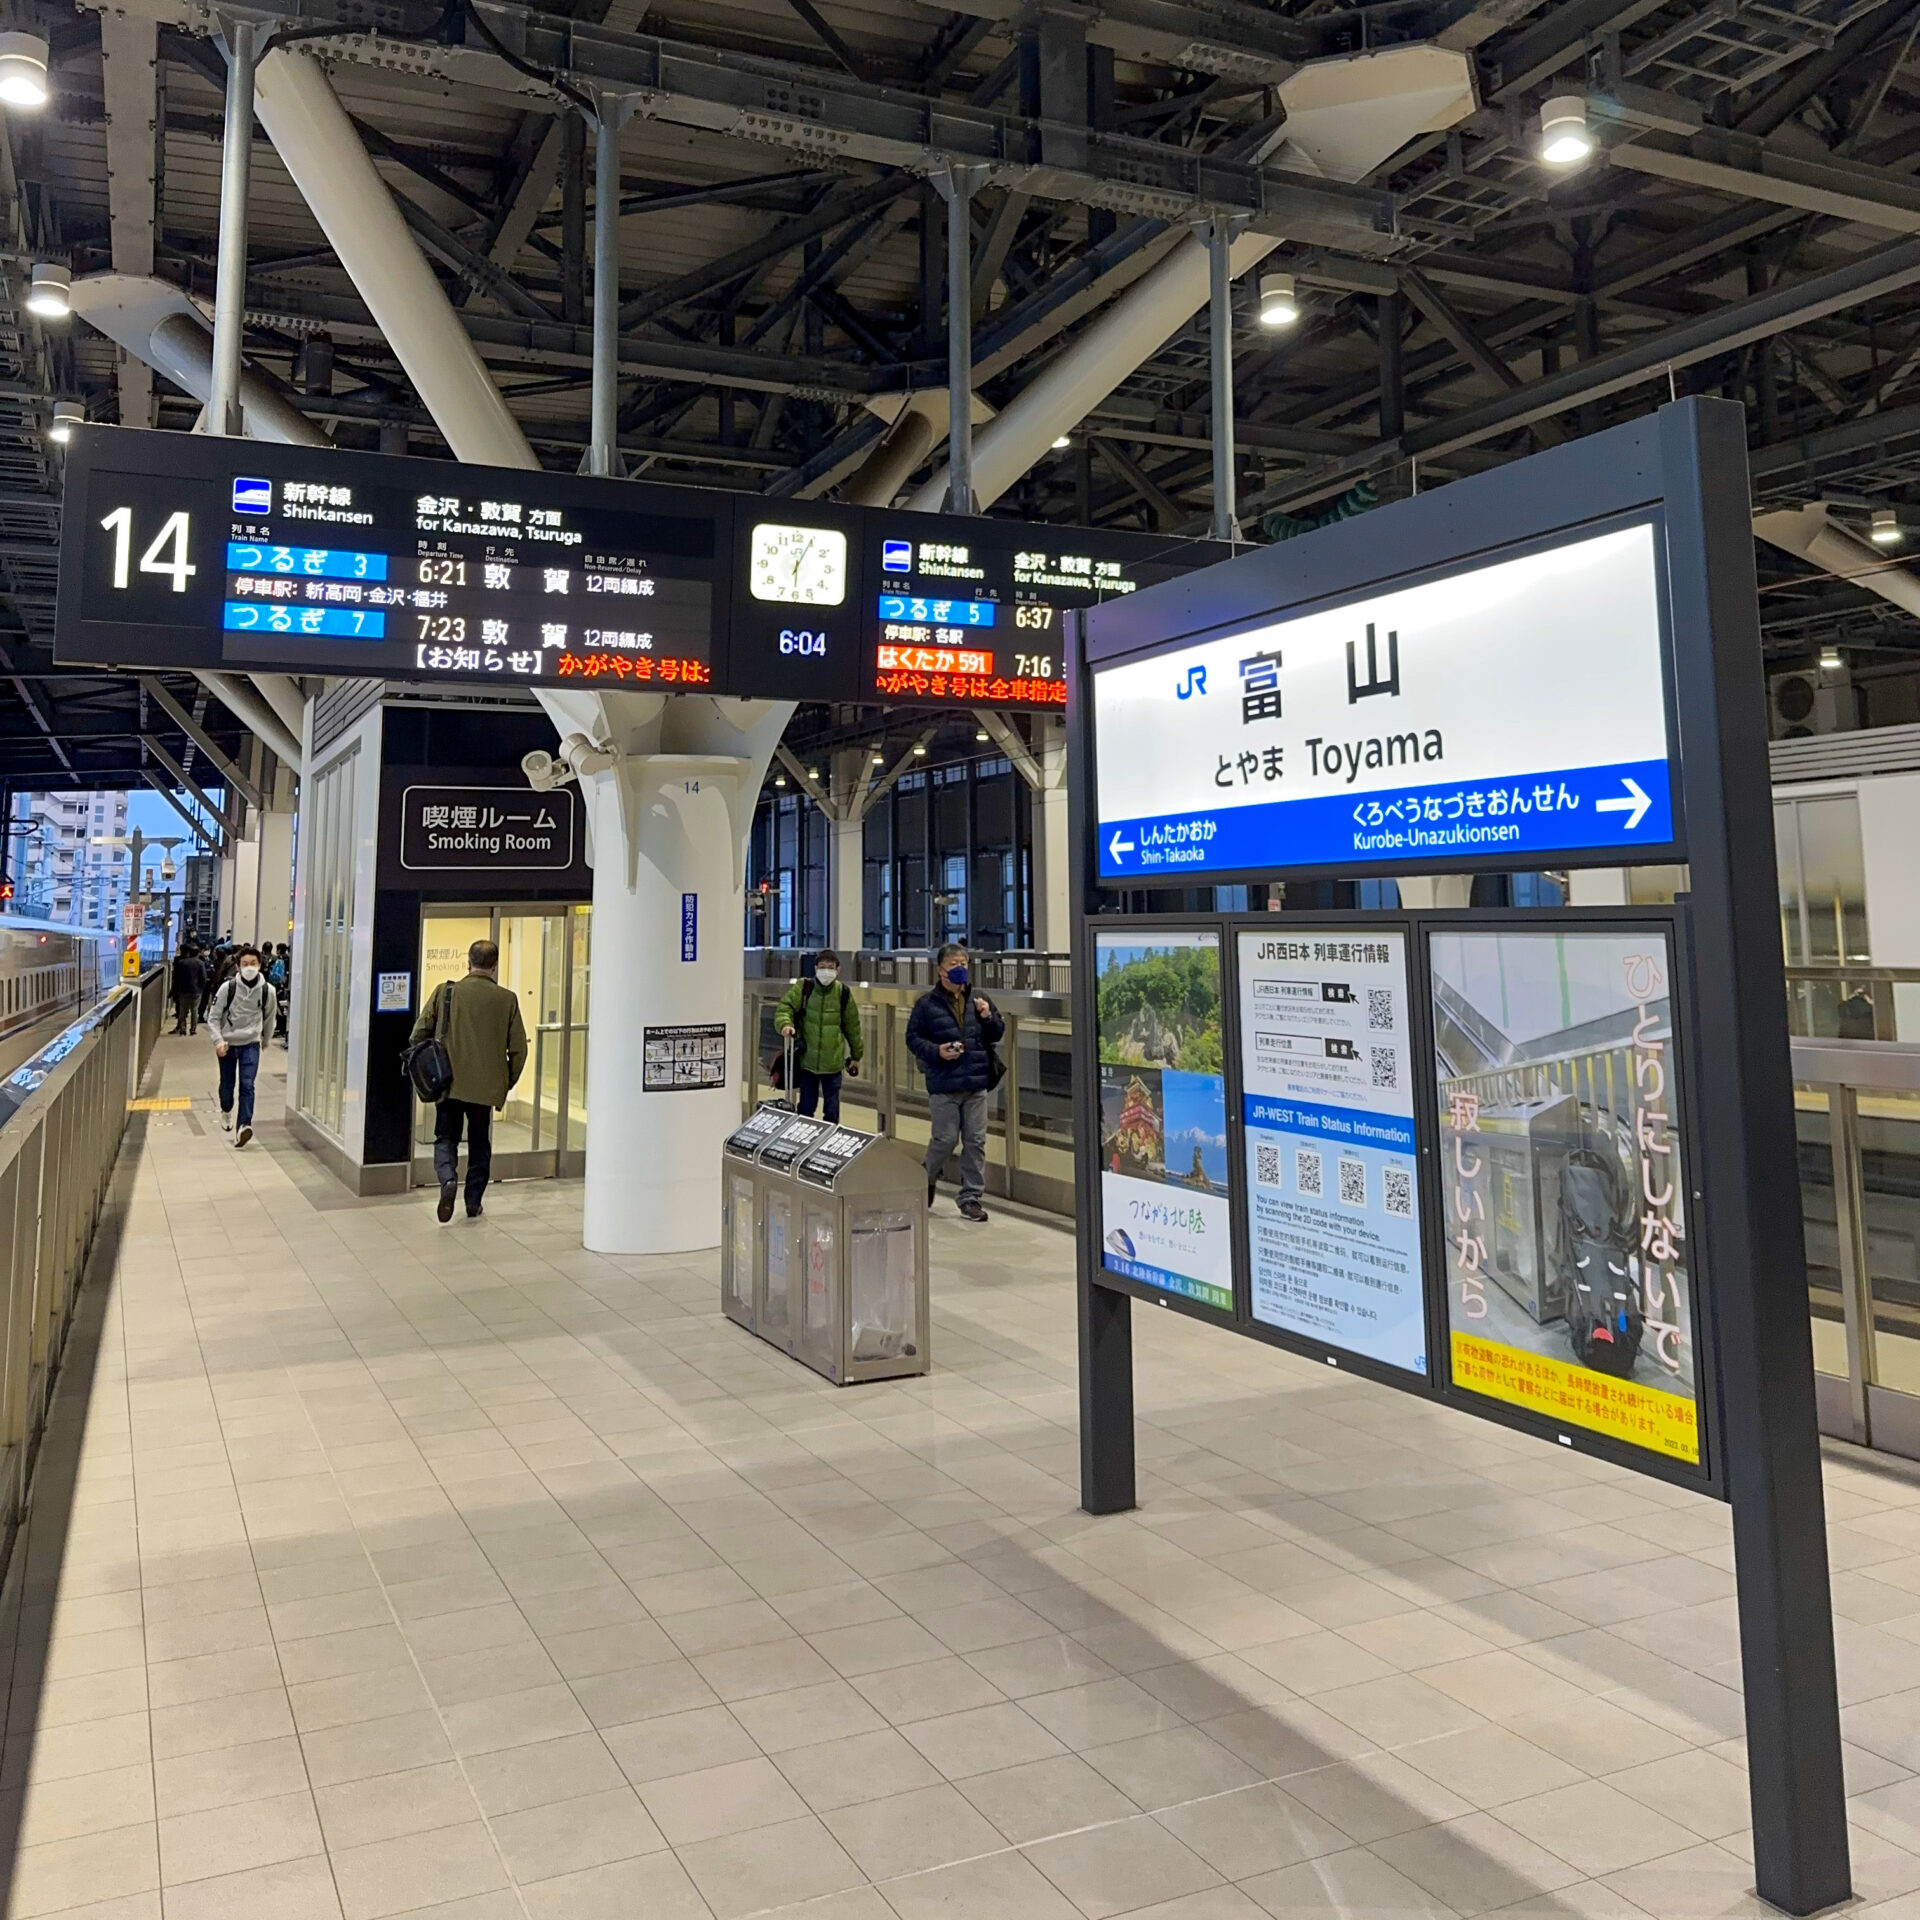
column 970, row 611
column 239, row 554
column 190, row 550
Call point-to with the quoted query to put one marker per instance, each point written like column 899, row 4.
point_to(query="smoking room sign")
column 486, row 829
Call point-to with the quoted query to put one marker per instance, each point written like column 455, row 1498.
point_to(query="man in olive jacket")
column 824, row 1023
column 488, row 1047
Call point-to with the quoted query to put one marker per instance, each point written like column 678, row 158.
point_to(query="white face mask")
column 826, row 975
column 249, row 974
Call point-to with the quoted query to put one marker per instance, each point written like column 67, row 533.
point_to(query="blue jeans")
column 822, row 1089
column 242, row 1061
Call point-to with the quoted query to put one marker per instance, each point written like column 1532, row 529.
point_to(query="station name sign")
column 1502, row 713
column 185, row 550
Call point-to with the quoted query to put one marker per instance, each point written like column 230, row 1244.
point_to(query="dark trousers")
column 448, row 1117
column 186, row 1012
column 239, row 1063
column 823, row 1089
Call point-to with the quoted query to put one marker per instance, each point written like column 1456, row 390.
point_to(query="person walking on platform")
column 240, row 1017
column 189, row 973
column 952, row 1032
column 820, row 1017
column 486, row 1043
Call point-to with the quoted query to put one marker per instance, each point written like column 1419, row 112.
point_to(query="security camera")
column 543, row 771
column 584, row 757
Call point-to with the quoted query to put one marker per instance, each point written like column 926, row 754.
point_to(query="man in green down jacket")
column 825, row 1023
column 487, row 1044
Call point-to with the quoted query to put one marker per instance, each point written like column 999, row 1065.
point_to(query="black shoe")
column 972, row 1210
column 931, row 1184
column 473, row 1209
column 445, row 1209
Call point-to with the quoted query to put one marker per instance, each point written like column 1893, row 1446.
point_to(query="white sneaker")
column 226, row 1123
column 243, row 1136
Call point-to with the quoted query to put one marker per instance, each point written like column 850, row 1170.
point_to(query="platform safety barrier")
column 62, row 1115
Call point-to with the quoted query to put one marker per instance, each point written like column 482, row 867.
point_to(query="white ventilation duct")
column 1808, row 532
column 1354, row 114
column 314, row 138
column 160, row 325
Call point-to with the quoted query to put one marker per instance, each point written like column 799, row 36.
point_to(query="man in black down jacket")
column 949, row 1032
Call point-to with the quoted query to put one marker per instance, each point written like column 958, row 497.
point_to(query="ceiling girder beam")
column 227, row 768
column 809, row 110
column 1743, row 168
column 173, row 800
column 1886, row 271
column 1468, row 344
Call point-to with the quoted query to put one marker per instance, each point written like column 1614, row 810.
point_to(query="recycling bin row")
column 823, row 1247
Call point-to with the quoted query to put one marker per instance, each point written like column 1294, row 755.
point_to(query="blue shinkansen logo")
column 896, row 556
column 252, row 496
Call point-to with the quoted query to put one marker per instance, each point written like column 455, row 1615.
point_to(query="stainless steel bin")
column 824, row 1245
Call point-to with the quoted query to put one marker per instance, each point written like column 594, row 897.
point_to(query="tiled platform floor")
column 456, row 1572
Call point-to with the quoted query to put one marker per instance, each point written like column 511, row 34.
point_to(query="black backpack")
column 1605, row 1321
column 429, row 1065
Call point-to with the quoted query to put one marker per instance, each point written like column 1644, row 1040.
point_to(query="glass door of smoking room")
column 542, row 1130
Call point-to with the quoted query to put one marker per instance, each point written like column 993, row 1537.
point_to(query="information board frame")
column 1688, row 459
column 1365, row 581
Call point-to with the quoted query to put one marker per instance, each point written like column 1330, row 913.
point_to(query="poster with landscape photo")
column 1163, row 1113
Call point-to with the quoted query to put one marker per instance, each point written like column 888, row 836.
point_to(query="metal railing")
column 1840, row 1002
column 62, row 1114
column 1030, row 1113
column 1012, row 969
column 1858, row 1118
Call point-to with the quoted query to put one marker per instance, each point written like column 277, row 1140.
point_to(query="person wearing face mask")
column 240, row 1016
column 820, row 1017
column 951, row 1032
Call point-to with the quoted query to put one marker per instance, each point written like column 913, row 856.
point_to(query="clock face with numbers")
column 801, row 566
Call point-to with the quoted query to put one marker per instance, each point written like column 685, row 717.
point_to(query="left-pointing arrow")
column 1116, row 846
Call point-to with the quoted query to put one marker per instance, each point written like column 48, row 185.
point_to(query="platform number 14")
column 166, row 554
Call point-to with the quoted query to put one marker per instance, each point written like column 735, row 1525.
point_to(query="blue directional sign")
column 1513, row 712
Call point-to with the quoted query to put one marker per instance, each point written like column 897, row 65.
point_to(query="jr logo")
column 1196, row 682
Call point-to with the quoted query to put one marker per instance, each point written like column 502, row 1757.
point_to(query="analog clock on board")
column 802, row 566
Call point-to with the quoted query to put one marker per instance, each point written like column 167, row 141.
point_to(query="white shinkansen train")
column 48, row 968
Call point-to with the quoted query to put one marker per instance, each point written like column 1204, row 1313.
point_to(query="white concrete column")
column 847, row 815
column 274, row 885
column 1052, row 895
column 667, row 819
column 245, row 916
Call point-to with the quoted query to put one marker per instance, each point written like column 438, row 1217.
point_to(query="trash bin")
column 824, row 1245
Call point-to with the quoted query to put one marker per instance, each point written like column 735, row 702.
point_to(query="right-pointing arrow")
column 1633, row 803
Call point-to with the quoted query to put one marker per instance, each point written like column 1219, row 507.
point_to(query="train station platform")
column 382, row 1568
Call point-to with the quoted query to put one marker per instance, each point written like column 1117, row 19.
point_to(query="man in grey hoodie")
column 239, row 1018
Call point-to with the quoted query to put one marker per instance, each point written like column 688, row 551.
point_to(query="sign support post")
column 1749, row 1165
column 236, row 177
column 1105, row 1314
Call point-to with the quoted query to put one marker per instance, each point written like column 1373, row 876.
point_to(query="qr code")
column 1397, row 1195
column 1306, row 1172
column 1386, row 1067
column 1380, row 1009
column 1353, row 1183
column 1266, row 1165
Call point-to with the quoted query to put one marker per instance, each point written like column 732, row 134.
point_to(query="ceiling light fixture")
column 980, row 733
column 1565, row 138
column 1062, row 442
column 1279, row 304
column 23, row 70
column 1830, row 660
column 50, row 293
column 919, row 749
column 1885, row 529
column 67, row 414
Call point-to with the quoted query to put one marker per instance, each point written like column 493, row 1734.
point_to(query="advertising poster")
column 1163, row 1114
column 1333, row 1204
column 1569, row 1282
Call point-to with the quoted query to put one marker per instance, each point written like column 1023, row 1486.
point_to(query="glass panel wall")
column 1823, row 912
column 328, row 964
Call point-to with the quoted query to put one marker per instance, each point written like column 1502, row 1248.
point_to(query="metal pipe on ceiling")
column 314, row 138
